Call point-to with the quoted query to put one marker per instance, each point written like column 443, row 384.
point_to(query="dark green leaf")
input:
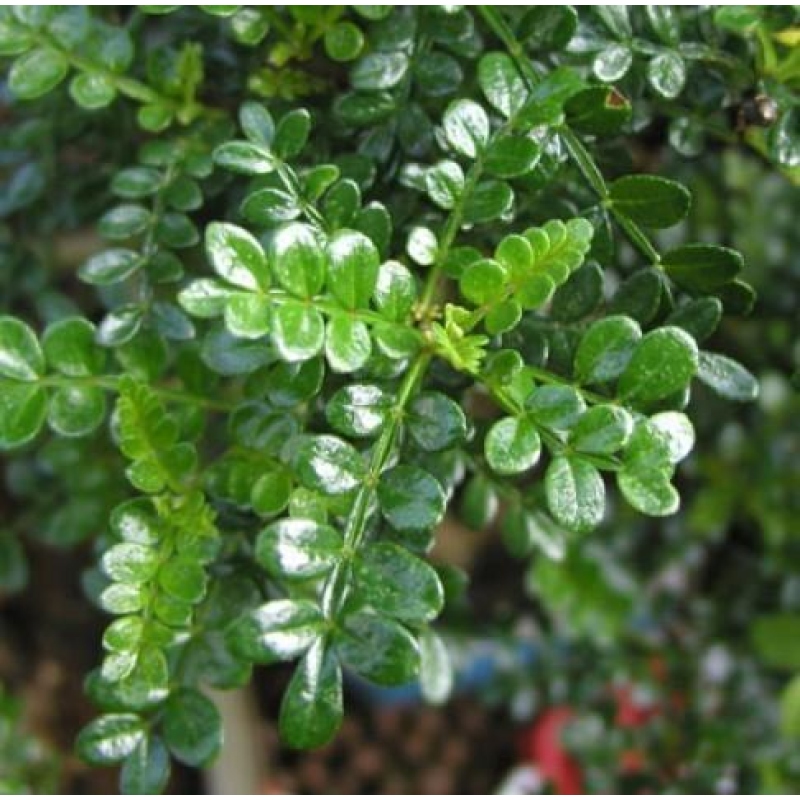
column 192, row 727
column 436, row 422
column 602, row 430
column 236, row 256
column 377, row 71
column 666, row 73
column 727, row 377
column 501, row 83
column 311, row 711
column 650, row 200
column 396, row 583
column 110, row 266
column 146, row 770
column 69, row 347
column 378, row 648
column 411, row 499
column 702, row 267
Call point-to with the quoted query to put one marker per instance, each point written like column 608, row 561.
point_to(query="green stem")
column 578, row 153
column 337, row 586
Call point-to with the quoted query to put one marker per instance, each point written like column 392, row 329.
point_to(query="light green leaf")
column 575, row 493
column 146, row 770
column 37, row 72
column 512, row 445
column 347, row 343
column 353, row 268
column 237, row 256
column 602, row 430
column 606, row 348
column 378, row 648
column 20, row 355
column 298, row 331
column 664, row 362
column 466, row 127
column 298, row 260
column 649, row 491
column 23, row 408
column 650, row 200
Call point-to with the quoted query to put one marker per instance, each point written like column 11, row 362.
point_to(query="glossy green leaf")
column 664, row 362
column 92, row 90
column 192, row 727
column 20, row 355
column 312, row 711
column 395, row 290
column 37, row 72
column 257, row 123
column 512, row 445
column 277, row 631
column 466, row 127
column 110, row 266
column 146, row 770
column 244, row 157
column 436, row 669
column 666, row 73
column 727, row 377
column 512, row 156
column 183, row 579
column 329, row 465
column 110, row 738
column 612, row 62
column 436, row 422
column 411, row 499
column 650, row 200
column 490, row 200
column 23, row 408
column 556, row 407
column 444, row 183
column 377, row 71
column 352, row 269
column 298, row 260
column 359, row 410
column 702, row 267
column 483, row 282
column 298, row 548
column 270, row 493
column 501, row 83
column 236, row 256
column 347, row 343
column 396, row 583
column 649, row 491
column 246, row 315
column 69, row 347
column 575, row 493
column 602, row 430
column 298, row 331
column 378, row 648
column 344, row 41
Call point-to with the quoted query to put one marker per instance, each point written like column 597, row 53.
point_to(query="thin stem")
column 337, row 586
column 578, row 153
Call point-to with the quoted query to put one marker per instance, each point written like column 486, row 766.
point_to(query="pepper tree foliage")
column 350, row 264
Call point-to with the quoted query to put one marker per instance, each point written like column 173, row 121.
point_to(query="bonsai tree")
column 285, row 286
